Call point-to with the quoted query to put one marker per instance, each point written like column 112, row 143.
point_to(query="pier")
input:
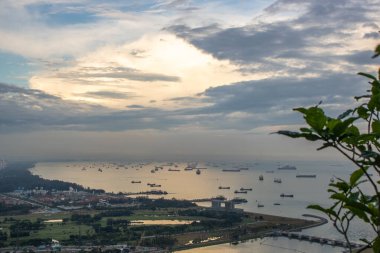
column 316, row 239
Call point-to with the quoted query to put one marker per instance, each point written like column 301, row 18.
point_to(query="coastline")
column 271, row 222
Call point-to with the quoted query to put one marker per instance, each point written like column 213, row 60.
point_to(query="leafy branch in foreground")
column 354, row 134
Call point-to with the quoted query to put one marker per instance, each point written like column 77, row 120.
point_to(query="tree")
column 355, row 134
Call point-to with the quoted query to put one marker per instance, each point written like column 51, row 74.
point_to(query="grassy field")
column 63, row 230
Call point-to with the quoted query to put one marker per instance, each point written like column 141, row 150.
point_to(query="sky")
column 176, row 79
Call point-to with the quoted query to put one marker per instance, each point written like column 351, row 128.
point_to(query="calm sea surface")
column 117, row 177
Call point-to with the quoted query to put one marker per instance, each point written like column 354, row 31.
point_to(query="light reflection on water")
column 188, row 185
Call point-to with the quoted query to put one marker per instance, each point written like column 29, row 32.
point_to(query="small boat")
column 307, row 175
column 236, row 192
column 245, row 189
column 155, row 185
column 260, row 205
column 224, row 187
column 283, row 195
column 287, row 167
column 198, row 172
column 277, row 180
column 239, row 200
column 269, row 171
column 332, row 180
column 136, row 182
column 261, row 177
column 231, row 170
column 276, row 204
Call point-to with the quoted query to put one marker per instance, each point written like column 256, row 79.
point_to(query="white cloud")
column 156, row 67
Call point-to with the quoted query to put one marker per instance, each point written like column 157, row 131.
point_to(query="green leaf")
column 290, row 134
column 374, row 102
column 301, row 110
column 376, row 245
column 377, row 52
column 376, row 126
column 352, row 131
column 325, row 145
column 331, row 124
column 367, row 75
column 345, row 114
column 363, row 112
column 312, row 137
column 339, row 196
column 369, row 154
column 343, row 186
column 316, row 118
column 356, row 175
column 358, row 205
column 358, row 212
column 306, row 130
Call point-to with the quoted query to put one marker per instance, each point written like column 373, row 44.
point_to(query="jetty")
column 317, row 239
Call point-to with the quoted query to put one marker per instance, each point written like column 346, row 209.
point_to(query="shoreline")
column 269, row 232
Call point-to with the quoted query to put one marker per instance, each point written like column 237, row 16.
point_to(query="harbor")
column 265, row 196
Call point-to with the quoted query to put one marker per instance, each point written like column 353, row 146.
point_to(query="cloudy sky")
column 176, row 79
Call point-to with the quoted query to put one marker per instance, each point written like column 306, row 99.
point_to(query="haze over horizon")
column 176, row 79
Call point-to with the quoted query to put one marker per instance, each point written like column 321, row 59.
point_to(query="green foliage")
column 355, row 134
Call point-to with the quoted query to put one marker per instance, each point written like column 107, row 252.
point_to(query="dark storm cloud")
column 372, row 35
column 318, row 25
column 249, row 45
column 360, row 58
column 29, row 110
column 264, row 96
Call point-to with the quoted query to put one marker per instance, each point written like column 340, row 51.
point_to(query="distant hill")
column 16, row 176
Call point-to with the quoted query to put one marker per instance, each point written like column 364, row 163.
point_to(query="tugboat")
column 236, row 192
column 198, row 172
column 283, row 195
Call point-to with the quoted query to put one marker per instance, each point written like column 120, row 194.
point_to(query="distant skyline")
column 176, row 79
